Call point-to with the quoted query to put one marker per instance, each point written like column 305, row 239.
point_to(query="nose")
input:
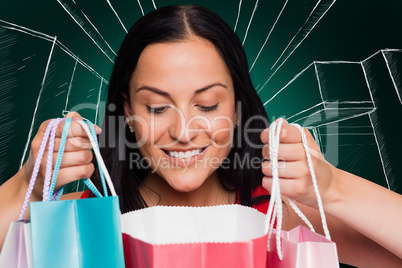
column 184, row 127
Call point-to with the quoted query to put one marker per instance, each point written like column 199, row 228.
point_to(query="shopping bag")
column 218, row 236
column 300, row 247
column 303, row 248
column 17, row 252
column 17, row 247
column 71, row 233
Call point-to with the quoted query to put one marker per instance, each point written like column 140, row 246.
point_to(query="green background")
column 331, row 66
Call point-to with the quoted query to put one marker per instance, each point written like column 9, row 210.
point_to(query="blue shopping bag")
column 77, row 233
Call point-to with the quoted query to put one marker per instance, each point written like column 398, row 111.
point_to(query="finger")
column 69, row 174
column 75, row 130
column 77, row 172
column 70, row 159
column 265, row 134
column 291, row 188
column 290, row 134
column 287, row 170
column 76, row 116
column 43, row 126
column 286, row 152
column 72, row 144
column 78, row 158
column 267, row 182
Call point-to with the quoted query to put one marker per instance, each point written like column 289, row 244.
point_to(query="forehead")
column 187, row 64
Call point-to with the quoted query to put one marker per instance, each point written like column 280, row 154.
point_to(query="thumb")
column 76, row 116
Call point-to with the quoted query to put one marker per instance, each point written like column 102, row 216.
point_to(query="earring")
column 131, row 128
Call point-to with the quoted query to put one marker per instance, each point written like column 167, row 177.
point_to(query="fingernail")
column 98, row 130
column 76, row 118
column 283, row 133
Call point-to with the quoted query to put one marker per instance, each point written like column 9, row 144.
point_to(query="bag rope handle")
column 56, row 196
column 90, row 131
column 50, row 181
column 50, row 159
column 99, row 158
column 36, row 167
column 275, row 206
column 101, row 174
column 49, row 187
column 315, row 184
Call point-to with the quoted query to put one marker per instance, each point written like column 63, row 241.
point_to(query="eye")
column 208, row 108
column 156, row 110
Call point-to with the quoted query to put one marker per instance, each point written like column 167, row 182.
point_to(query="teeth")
column 186, row 154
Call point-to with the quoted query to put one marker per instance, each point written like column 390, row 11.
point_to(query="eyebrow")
column 164, row 93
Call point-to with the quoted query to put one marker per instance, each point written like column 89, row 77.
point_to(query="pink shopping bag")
column 303, row 248
column 219, row 236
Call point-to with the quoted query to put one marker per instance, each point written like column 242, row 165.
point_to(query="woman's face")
column 182, row 108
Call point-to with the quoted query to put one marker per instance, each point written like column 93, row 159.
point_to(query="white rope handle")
column 275, row 204
column 98, row 157
column 300, row 214
column 315, row 184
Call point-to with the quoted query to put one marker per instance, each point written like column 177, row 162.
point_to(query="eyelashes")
column 208, row 108
column 161, row 109
column 156, row 110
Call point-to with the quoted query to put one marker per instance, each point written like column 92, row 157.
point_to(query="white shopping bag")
column 17, row 248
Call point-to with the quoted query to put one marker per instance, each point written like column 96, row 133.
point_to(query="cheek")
column 222, row 132
column 149, row 129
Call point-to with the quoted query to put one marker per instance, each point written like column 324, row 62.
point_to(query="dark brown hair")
column 169, row 24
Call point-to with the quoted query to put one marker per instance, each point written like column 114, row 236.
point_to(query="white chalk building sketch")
column 372, row 92
column 54, row 92
column 346, row 103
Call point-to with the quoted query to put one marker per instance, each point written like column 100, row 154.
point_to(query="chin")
column 184, row 182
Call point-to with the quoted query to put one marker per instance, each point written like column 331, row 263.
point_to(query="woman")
column 177, row 81
column 225, row 80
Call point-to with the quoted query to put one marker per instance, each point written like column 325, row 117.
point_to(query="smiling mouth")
column 184, row 154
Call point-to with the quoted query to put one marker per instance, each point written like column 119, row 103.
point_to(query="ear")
column 235, row 119
column 127, row 107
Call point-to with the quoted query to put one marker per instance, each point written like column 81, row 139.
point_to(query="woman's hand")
column 77, row 158
column 76, row 164
column 295, row 178
column 363, row 217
